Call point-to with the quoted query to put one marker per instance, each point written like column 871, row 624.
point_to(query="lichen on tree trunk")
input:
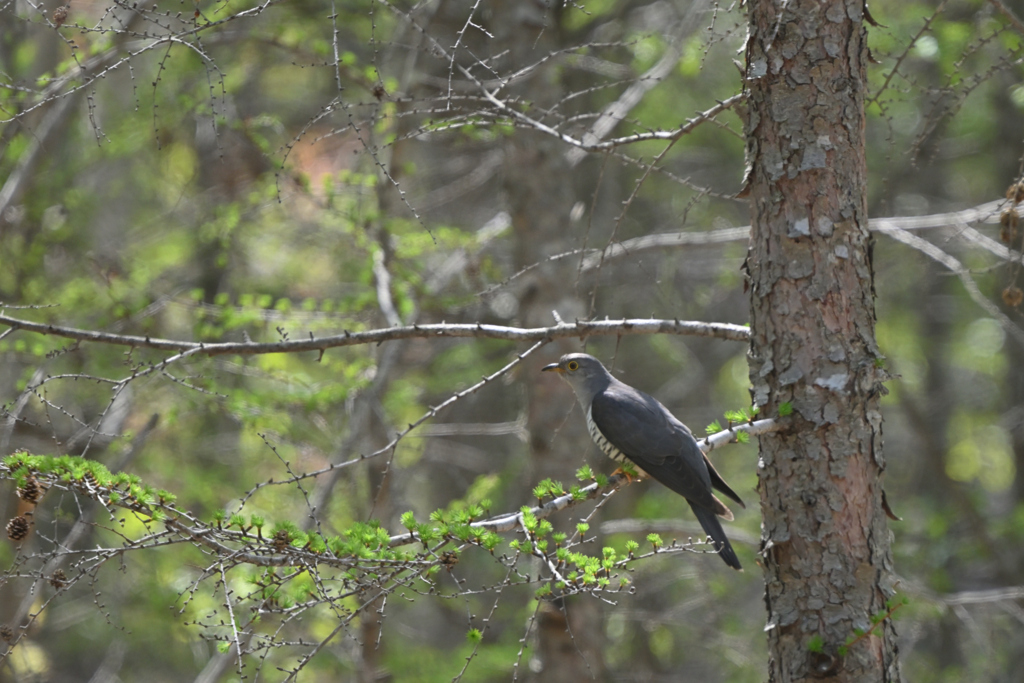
column 825, row 543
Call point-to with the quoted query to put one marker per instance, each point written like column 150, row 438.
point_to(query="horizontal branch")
column 718, row 439
column 984, row 213
column 1005, row 594
column 594, row 259
column 580, row 329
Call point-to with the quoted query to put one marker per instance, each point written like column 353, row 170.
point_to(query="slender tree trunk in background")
column 537, row 184
column 827, row 562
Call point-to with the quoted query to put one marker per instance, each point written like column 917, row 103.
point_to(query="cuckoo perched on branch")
column 631, row 426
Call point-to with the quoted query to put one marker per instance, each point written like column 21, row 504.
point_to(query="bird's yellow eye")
column 572, row 365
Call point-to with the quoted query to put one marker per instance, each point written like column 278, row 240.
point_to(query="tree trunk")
column 827, row 562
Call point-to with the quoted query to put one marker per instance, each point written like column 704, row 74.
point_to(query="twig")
column 1010, row 16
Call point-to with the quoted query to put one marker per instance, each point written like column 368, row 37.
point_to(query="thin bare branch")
column 686, row 128
column 938, row 255
column 983, row 596
column 582, row 329
column 983, row 213
column 429, row 414
column 1009, row 14
column 614, row 113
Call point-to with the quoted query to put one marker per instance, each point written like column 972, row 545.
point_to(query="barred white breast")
column 606, row 446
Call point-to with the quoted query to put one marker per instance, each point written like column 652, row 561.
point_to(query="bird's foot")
column 628, row 472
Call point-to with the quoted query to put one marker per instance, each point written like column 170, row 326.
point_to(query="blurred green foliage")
column 240, row 184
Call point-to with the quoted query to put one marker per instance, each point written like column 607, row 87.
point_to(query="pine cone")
column 1008, row 221
column 1016, row 193
column 17, row 528
column 32, row 491
column 58, row 579
column 60, row 15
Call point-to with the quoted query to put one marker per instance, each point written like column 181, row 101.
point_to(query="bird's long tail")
column 713, row 528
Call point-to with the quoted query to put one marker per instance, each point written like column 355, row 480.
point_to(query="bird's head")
column 583, row 372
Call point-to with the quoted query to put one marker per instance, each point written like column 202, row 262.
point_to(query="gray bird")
column 628, row 425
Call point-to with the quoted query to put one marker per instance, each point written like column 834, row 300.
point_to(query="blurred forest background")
column 241, row 171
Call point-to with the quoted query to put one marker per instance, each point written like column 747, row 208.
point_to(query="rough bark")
column 827, row 562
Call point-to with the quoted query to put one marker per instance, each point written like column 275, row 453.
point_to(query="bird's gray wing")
column 717, row 481
column 646, row 433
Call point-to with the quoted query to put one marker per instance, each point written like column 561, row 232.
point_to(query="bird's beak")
column 554, row 366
